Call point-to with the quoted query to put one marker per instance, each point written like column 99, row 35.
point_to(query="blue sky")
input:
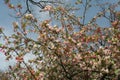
column 5, row 19
column 6, row 22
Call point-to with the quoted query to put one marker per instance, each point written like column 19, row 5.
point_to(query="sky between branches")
column 6, row 22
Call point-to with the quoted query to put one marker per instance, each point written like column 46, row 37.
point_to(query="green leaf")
column 117, row 71
column 0, row 44
column 78, row 2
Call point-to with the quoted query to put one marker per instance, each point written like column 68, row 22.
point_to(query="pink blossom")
column 48, row 8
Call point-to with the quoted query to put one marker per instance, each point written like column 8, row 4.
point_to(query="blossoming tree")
column 69, row 50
